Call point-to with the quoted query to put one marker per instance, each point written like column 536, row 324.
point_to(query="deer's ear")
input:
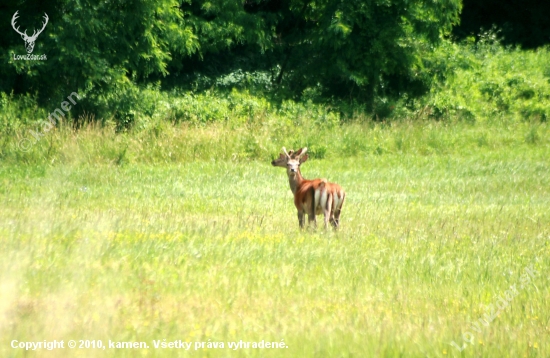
column 279, row 161
column 301, row 154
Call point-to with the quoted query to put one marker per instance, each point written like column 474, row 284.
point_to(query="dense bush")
column 138, row 107
column 481, row 81
column 471, row 81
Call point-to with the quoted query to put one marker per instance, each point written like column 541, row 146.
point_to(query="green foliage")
column 328, row 51
column 98, row 47
column 486, row 81
column 17, row 112
column 353, row 49
column 221, row 25
column 237, row 108
column 232, row 61
column 213, row 130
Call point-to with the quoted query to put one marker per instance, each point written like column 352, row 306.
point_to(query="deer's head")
column 29, row 40
column 291, row 160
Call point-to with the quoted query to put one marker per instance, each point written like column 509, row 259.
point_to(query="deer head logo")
column 29, row 40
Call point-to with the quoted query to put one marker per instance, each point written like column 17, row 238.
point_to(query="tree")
column 352, row 48
column 357, row 49
column 93, row 47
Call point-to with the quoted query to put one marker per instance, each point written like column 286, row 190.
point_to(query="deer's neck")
column 295, row 180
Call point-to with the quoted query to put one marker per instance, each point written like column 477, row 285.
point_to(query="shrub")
column 487, row 81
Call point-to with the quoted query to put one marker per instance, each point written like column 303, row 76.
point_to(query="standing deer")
column 311, row 197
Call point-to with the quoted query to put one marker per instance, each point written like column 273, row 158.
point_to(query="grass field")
column 191, row 235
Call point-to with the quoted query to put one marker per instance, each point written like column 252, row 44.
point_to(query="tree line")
column 354, row 50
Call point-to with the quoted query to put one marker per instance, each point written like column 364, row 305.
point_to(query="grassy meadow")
column 186, row 232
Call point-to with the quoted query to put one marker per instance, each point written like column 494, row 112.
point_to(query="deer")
column 311, row 197
column 29, row 40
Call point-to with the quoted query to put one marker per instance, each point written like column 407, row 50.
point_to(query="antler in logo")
column 29, row 40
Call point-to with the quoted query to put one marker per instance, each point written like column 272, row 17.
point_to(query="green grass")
column 188, row 233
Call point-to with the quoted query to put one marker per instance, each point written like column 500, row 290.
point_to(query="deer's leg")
column 333, row 222
column 327, row 210
column 333, row 211
column 337, row 213
column 301, row 219
column 311, row 219
column 311, row 215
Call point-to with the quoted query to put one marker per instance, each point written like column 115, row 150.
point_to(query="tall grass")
column 165, row 220
column 187, row 232
column 262, row 137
